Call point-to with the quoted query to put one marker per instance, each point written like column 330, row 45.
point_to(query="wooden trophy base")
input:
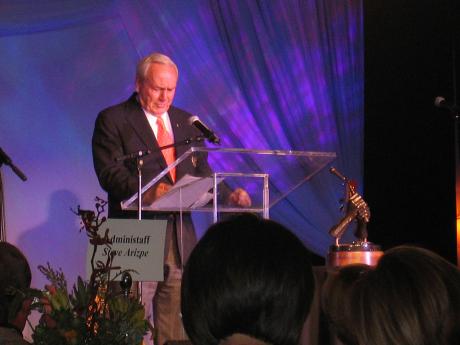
column 353, row 253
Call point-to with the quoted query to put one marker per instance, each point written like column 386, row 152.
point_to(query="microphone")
column 4, row 158
column 440, row 102
column 334, row 171
column 208, row 134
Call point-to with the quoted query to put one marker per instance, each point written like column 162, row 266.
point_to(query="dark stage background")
column 411, row 56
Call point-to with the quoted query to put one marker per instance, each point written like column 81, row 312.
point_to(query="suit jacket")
column 124, row 129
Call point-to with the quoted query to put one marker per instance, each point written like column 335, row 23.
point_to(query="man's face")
column 156, row 91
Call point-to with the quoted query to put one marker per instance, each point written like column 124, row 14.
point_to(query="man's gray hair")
column 144, row 64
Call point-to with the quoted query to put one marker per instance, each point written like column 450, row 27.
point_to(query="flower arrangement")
column 92, row 313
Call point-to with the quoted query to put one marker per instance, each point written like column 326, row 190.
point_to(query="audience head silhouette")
column 14, row 273
column 336, row 293
column 412, row 297
column 248, row 281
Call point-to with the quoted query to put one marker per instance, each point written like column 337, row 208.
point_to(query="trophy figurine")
column 356, row 211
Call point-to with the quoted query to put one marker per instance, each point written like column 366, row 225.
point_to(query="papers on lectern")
column 188, row 193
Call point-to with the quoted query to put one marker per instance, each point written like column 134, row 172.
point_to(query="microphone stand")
column 5, row 159
column 138, row 156
column 139, row 164
column 455, row 115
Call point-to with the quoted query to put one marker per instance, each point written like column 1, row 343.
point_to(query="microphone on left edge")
column 4, row 158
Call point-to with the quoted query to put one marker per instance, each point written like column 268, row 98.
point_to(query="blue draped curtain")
column 281, row 74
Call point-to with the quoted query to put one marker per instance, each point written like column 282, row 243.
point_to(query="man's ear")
column 138, row 85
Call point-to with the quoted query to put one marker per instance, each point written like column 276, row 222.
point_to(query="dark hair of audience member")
column 14, row 272
column 247, row 276
column 335, row 296
column 412, row 297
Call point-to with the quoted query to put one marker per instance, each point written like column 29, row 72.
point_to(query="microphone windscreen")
column 438, row 101
column 192, row 119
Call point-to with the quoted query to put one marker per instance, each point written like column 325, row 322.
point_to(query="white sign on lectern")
column 138, row 245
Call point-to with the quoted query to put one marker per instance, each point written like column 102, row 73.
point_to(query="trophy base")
column 353, row 253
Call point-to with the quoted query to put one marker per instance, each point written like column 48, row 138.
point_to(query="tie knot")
column 160, row 121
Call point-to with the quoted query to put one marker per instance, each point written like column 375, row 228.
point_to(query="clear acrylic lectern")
column 267, row 175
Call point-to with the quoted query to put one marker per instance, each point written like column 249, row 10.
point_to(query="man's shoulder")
column 178, row 113
column 121, row 109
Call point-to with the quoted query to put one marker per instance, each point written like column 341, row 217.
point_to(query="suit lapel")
column 136, row 117
column 179, row 130
column 142, row 128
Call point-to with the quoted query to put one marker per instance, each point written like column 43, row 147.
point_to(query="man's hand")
column 155, row 192
column 239, row 197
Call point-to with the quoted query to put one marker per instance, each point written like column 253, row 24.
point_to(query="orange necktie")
column 164, row 138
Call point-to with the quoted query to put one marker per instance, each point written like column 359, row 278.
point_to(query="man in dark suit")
column 146, row 121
